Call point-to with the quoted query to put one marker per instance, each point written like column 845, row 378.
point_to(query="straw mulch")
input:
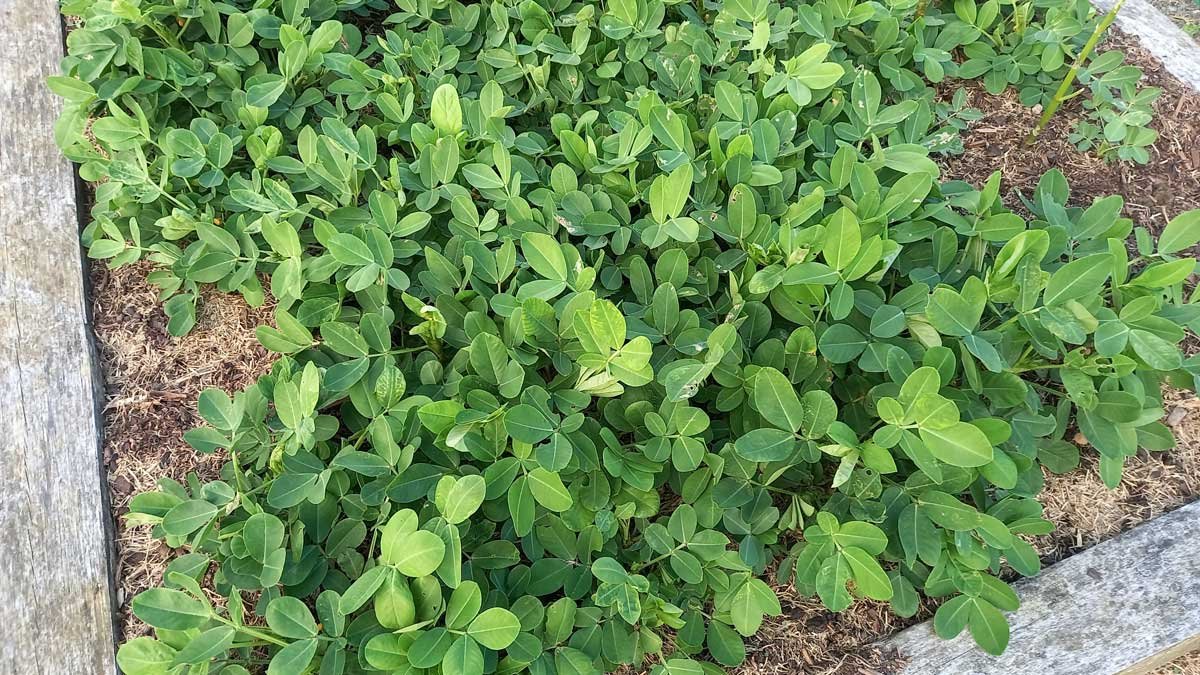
column 152, row 381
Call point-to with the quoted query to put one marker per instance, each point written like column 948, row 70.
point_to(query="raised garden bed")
column 153, row 380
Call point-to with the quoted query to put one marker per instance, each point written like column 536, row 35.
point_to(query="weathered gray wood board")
column 1112, row 608
column 1178, row 52
column 56, row 613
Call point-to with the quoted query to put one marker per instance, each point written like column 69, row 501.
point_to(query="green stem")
column 1038, row 366
column 251, row 632
column 1049, row 390
column 1068, row 81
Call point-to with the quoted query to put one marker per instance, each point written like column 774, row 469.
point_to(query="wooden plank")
column 56, row 609
column 1113, row 607
column 1158, row 34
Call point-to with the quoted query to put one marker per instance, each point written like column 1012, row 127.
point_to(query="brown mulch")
column 812, row 640
column 152, row 381
column 1154, row 193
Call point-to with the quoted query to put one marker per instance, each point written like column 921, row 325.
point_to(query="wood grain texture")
column 1112, row 608
column 55, row 593
column 1178, row 52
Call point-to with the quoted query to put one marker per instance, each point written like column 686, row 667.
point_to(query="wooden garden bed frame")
column 1122, row 606
column 56, row 599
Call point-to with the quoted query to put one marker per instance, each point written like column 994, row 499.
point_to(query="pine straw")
column 152, row 381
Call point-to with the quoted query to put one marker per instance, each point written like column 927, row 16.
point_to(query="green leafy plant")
column 1119, row 112
column 591, row 313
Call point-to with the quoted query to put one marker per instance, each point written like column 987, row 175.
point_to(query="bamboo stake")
column 1062, row 95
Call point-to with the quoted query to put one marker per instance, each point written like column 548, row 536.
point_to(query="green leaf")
column 1183, row 231
column 527, row 424
column 766, row 445
column 831, row 583
column 686, row 567
column 841, row 343
column 729, row 100
column 544, row 255
column 776, row 400
column 988, row 626
column 290, row 618
column 463, row 498
column 919, row 537
column 463, row 605
column 960, row 444
column 1155, row 351
column 388, row 651
column 820, row 412
column 169, row 609
column 145, row 656
column 548, row 490
column 495, row 628
column 350, row 250
column 362, row 589
column 843, row 237
column 1078, row 279
column 869, row 578
column 187, row 517
column 262, row 534
column 293, row 658
column 483, row 177
column 208, row 645
column 951, row 313
column 266, row 91
column 445, row 111
column 414, row 554
column 463, row 658
column 743, row 211
column 951, row 618
column 751, row 601
column 861, row 535
column 725, row 645
column 887, row 322
column 949, row 512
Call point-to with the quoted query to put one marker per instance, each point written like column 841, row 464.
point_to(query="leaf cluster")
column 589, row 314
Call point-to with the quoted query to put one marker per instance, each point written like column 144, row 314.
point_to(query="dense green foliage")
column 593, row 313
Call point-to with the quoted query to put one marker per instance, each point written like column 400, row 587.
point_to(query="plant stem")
column 1063, row 88
column 257, row 634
